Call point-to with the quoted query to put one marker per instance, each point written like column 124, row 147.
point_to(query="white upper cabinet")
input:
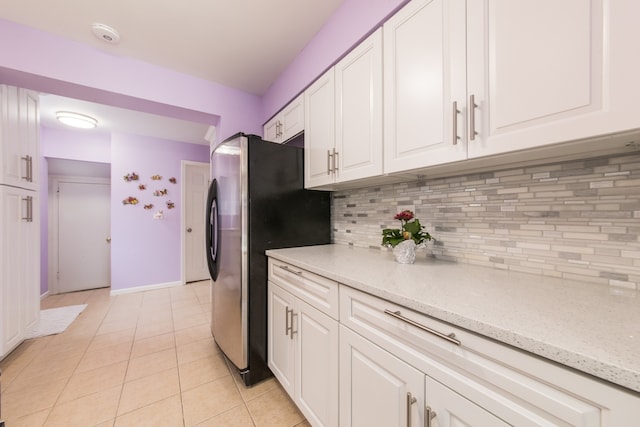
column 287, row 123
column 19, row 133
column 546, row 72
column 424, row 77
column 343, row 118
column 469, row 79
column 319, row 135
column 359, row 111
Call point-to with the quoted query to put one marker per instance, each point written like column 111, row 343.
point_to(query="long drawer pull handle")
column 286, row 268
column 451, row 337
column 410, row 401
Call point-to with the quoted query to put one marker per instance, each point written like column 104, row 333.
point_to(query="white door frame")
column 54, row 238
column 183, row 219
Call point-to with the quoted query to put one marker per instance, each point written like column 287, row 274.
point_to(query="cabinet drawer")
column 477, row 366
column 317, row 291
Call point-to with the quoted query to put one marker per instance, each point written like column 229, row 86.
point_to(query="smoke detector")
column 105, row 33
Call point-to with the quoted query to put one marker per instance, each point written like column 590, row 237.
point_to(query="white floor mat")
column 55, row 320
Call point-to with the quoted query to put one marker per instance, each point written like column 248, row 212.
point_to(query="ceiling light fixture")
column 105, row 33
column 76, row 119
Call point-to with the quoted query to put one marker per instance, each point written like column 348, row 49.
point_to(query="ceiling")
column 245, row 44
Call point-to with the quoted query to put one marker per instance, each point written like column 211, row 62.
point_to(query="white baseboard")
column 145, row 288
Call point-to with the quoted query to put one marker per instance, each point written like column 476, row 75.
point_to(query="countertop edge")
column 617, row 375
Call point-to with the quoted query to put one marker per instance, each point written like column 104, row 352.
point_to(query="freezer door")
column 229, row 288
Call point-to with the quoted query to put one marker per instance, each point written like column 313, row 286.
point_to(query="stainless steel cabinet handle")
column 29, row 216
column 429, row 414
column 290, row 270
column 451, row 337
column 472, row 117
column 335, row 161
column 292, row 330
column 329, row 159
column 410, row 401
column 29, row 164
column 454, row 123
column 287, row 325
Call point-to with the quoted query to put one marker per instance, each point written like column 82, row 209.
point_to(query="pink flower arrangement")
column 410, row 229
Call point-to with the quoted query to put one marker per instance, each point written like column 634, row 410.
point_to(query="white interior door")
column 196, row 185
column 84, row 227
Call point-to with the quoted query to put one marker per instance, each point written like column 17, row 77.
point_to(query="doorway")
column 195, row 184
column 80, row 234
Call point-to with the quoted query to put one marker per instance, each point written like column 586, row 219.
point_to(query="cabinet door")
column 424, row 74
column 31, row 260
column 292, row 118
column 30, row 130
column 13, row 165
column 359, row 111
column 449, row 409
column 19, row 133
column 13, row 209
column 316, row 390
column 538, row 71
column 376, row 388
column 19, row 262
column 272, row 130
column 319, row 137
column 281, row 346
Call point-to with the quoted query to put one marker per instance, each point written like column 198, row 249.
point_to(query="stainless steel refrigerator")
column 256, row 202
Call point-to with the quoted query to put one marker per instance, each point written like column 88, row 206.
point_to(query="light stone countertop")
column 592, row 328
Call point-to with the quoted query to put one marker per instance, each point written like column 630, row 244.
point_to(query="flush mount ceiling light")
column 76, row 119
column 105, row 33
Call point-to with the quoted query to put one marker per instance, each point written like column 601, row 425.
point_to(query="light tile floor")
column 141, row 359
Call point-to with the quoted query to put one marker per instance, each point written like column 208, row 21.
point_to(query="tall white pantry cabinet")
column 19, row 216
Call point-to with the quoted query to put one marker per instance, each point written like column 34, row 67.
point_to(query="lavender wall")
column 41, row 61
column 85, row 145
column 145, row 251
column 353, row 21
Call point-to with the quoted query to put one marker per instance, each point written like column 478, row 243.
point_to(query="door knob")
column 189, row 230
column 108, row 239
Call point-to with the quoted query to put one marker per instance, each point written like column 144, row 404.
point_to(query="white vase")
column 405, row 252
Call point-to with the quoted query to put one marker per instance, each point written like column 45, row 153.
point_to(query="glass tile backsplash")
column 576, row 220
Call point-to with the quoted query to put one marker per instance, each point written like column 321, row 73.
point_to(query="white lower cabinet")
column 470, row 380
column 19, row 265
column 377, row 388
column 303, row 353
column 398, row 367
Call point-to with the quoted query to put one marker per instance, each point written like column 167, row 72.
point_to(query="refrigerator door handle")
column 212, row 231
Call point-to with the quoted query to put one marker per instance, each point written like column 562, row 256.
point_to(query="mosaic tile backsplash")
column 577, row 220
